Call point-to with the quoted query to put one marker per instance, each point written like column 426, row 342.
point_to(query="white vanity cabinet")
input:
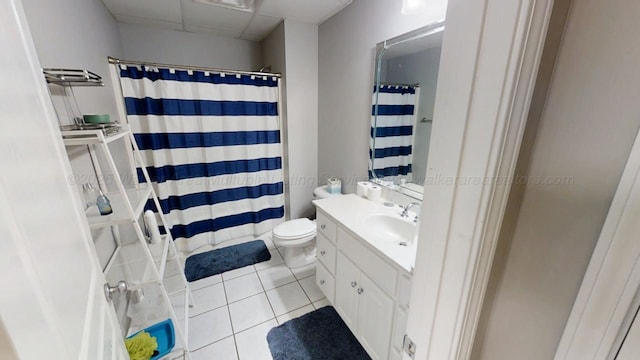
column 369, row 292
column 326, row 253
column 364, row 307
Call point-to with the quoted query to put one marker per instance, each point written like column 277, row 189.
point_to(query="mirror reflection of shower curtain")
column 211, row 144
column 391, row 146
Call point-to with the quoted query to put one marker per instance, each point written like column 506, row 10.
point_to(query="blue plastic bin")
column 165, row 336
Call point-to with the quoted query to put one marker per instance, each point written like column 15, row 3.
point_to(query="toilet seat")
column 297, row 237
column 295, row 229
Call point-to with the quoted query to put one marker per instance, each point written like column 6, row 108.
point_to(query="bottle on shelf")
column 89, row 195
column 104, row 205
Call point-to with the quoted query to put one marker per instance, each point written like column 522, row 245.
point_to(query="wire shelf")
column 72, row 77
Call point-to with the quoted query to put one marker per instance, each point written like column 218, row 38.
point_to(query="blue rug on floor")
column 214, row 262
column 318, row 335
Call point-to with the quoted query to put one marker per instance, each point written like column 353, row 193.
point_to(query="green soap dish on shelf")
column 96, row 118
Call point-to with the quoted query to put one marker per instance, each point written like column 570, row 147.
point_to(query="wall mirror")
column 404, row 91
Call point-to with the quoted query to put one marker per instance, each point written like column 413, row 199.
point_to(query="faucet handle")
column 405, row 212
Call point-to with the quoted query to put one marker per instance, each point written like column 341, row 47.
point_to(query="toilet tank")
column 322, row 193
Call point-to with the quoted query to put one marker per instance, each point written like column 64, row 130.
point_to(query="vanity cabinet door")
column 375, row 318
column 326, row 283
column 347, row 279
column 364, row 307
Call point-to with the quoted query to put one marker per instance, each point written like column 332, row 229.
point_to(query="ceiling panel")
column 191, row 16
column 215, row 17
column 253, row 37
column 158, row 24
column 207, row 30
column 167, row 10
column 260, row 26
column 308, row 11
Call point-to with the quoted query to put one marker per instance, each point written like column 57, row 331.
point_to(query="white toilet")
column 297, row 236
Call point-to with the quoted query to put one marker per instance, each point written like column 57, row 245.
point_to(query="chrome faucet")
column 405, row 212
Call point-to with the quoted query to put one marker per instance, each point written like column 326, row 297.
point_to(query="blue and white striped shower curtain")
column 211, row 143
column 391, row 142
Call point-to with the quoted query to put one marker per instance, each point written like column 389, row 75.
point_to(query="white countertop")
column 351, row 211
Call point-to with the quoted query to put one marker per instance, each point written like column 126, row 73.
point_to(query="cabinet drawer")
column 325, row 282
column 326, row 253
column 370, row 263
column 326, row 226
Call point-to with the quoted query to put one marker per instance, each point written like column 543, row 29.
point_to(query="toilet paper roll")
column 374, row 193
column 152, row 227
column 362, row 187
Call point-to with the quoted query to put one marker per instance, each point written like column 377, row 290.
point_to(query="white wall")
column 273, row 54
column 144, row 43
column 421, row 68
column 346, row 44
column 273, row 50
column 585, row 131
column 292, row 49
column 301, row 77
column 79, row 34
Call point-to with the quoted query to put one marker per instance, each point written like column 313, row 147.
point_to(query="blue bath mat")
column 214, row 262
column 318, row 335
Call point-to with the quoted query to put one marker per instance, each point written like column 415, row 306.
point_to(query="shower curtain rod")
column 113, row 60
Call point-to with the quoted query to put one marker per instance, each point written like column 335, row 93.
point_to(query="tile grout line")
column 226, row 299
column 246, row 297
column 212, row 309
column 305, row 293
column 299, row 284
column 310, row 304
column 269, row 301
column 256, row 325
column 264, row 291
column 215, row 342
column 233, row 333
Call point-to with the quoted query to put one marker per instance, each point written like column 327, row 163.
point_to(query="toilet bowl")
column 297, row 236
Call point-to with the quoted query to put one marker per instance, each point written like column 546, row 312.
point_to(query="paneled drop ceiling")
column 192, row 16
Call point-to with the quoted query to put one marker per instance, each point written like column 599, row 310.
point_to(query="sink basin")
column 391, row 228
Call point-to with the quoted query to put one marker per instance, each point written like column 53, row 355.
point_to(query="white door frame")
column 609, row 294
column 490, row 58
column 52, row 302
